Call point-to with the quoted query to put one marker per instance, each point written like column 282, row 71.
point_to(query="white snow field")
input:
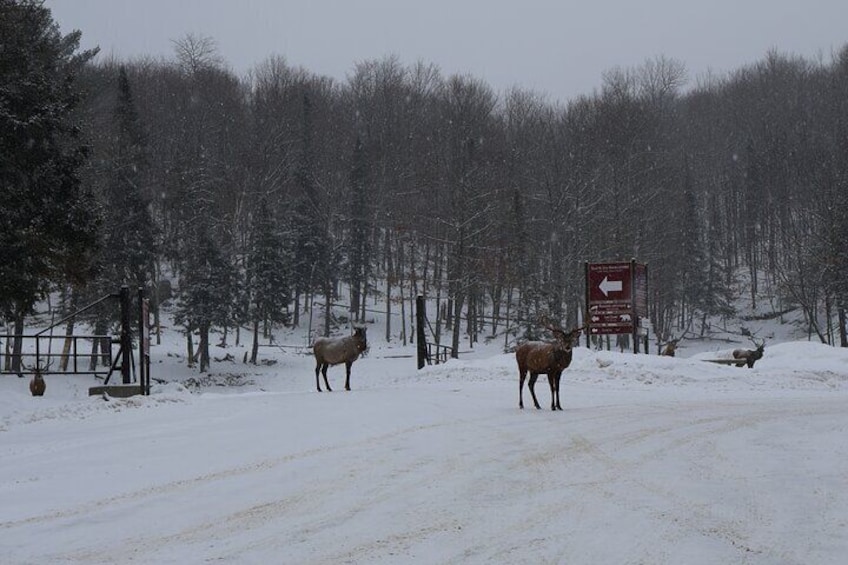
column 653, row 460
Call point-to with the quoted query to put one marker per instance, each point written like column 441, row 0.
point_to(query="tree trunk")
column 471, row 322
column 7, row 355
column 100, row 346
column 17, row 346
column 365, row 276
column 437, row 276
column 254, row 351
column 425, row 269
column 354, row 300
column 328, row 306
column 156, row 301
column 66, row 346
column 92, row 362
column 497, row 294
column 506, row 317
column 189, row 347
column 388, row 258
column 457, row 316
column 203, row 347
column 224, row 336
column 413, row 281
column 296, row 319
column 401, row 282
column 828, row 312
column 106, row 350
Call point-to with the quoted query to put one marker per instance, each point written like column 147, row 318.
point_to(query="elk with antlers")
column 670, row 348
column 545, row 357
column 37, row 386
column 750, row 356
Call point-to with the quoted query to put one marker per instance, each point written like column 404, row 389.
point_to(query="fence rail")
column 437, row 353
column 41, row 356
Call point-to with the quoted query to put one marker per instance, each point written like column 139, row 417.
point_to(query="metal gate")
column 37, row 353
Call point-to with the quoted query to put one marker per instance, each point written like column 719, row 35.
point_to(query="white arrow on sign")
column 608, row 286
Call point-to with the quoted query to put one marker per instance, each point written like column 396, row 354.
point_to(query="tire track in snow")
column 594, row 455
column 253, row 516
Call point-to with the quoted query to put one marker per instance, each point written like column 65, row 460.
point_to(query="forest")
column 253, row 199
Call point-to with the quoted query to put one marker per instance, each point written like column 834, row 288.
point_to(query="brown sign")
column 616, row 296
column 609, row 283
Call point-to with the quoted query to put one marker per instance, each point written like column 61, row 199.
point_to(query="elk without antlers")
column 334, row 351
column 545, row 357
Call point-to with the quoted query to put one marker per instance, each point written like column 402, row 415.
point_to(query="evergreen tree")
column 268, row 273
column 130, row 239
column 207, row 288
column 311, row 261
column 127, row 248
column 49, row 221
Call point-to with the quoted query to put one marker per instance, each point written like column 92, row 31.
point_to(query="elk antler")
column 37, row 367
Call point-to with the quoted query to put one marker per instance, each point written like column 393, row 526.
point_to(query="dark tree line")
column 262, row 196
column 49, row 219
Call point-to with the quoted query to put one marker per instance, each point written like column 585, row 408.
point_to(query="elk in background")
column 37, row 385
column 750, row 356
column 545, row 357
column 670, row 348
column 334, row 351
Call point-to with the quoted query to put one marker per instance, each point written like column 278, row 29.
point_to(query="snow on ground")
column 653, row 460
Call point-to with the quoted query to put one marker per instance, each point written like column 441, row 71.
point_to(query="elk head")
column 565, row 339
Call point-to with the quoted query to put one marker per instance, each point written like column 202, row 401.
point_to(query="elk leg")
column 317, row 380
column 559, row 378
column 531, row 384
column 347, row 376
column 553, row 390
column 521, row 377
column 556, row 391
column 324, row 372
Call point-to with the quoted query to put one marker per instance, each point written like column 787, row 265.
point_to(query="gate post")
column 143, row 342
column 419, row 330
column 126, row 338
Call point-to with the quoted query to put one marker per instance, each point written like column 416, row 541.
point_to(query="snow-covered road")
column 440, row 469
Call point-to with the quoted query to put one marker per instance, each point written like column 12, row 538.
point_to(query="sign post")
column 144, row 342
column 616, row 298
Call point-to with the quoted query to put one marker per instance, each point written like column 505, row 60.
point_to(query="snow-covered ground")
column 653, row 460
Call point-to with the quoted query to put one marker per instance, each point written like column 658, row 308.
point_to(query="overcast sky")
column 557, row 47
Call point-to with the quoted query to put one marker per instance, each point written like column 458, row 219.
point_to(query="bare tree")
column 197, row 52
